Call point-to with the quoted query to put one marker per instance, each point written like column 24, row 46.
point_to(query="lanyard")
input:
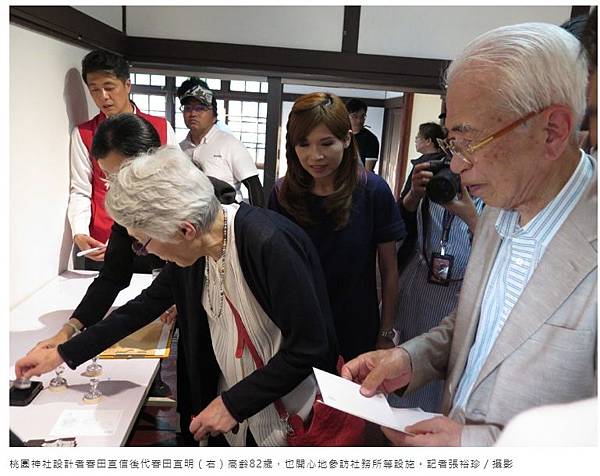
column 446, row 224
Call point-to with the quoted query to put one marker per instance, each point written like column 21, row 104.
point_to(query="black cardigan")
column 283, row 272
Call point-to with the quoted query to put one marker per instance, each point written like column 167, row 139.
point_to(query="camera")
column 444, row 185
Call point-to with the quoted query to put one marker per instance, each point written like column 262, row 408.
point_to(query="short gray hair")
column 534, row 65
column 158, row 191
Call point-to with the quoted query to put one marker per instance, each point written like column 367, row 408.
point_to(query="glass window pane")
column 260, row 156
column 250, row 138
column 262, row 127
column 141, row 101
column 261, row 139
column 253, row 86
column 250, row 108
column 264, row 87
column 157, row 80
column 262, row 109
column 237, row 85
column 142, row 78
column 157, row 103
column 248, row 125
column 214, row 83
column 179, row 80
column 221, row 109
column 252, row 153
column 235, row 126
column 179, row 120
column 235, row 110
column 157, row 113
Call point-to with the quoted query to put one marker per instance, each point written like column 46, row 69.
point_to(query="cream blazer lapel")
column 485, row 247
column 569, row 258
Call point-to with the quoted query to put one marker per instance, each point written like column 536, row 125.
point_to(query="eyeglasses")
column 140, row 249
column 452, row 148
column 196, row 108
column 358, row 115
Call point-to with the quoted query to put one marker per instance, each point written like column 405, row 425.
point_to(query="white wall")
column 47, row 97
column 440, row 32
column 110, row 15
column 318, row 28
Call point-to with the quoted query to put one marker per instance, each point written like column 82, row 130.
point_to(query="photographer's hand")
column 421, row 176
column 462, row 206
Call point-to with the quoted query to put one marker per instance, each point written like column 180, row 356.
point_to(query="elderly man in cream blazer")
column 524, row 332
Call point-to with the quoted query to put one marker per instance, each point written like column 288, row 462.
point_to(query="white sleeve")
column 171, row 139
column 242, row 164
column 79, row 210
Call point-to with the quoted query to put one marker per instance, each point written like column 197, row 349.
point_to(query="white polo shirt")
column 222, row 156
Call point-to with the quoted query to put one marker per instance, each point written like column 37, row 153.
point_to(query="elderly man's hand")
column 379, row 371
column 213, row 420
column 38, row 362
column 438, row 431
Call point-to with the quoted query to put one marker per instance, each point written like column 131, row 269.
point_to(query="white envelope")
column 344, row 395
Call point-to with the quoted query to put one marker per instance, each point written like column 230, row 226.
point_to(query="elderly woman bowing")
column 247, row 280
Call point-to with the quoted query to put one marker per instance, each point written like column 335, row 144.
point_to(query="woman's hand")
column 38, row 362
column 169, row 316
column 462, row 206
column 61, row 336
column 213, row 420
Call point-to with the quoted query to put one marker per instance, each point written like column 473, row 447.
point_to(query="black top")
column 368, row 145
column 348, row 257
column 283, row 272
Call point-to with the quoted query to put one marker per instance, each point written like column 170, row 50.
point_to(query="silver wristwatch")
column 389, row 334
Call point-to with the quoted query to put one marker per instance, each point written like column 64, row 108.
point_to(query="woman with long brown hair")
column 350, row 215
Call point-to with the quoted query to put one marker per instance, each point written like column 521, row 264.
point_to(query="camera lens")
column 443, row 186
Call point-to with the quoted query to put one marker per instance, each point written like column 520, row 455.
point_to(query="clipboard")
column 150, row 342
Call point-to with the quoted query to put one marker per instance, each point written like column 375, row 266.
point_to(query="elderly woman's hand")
column 213, row 420
column 169, row 316
column 38, row 362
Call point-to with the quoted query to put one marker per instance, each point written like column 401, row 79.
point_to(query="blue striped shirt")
column 519, row 254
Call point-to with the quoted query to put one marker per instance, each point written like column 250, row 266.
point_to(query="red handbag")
column 325, row 426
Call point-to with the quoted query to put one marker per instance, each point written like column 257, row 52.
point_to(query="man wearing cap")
column 216, row 152
column 107, row 78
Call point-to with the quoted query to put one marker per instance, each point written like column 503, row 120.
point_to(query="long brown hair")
column 308, row 112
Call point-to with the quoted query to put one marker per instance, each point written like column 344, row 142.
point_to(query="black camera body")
column 444, row 185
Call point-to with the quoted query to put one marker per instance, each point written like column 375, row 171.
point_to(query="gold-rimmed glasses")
column 452, row 148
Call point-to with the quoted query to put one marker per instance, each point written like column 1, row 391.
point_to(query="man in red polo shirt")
column 107, row 78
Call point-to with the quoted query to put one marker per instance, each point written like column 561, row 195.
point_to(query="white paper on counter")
column 344, row 395
column 87, row 423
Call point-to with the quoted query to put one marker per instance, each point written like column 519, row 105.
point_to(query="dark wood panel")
column 351, row 29
column 272, row 135
column 409, row 73
column 577, row 10
column 70, row 25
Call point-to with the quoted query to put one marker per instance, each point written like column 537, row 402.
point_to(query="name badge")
column 440, row 269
